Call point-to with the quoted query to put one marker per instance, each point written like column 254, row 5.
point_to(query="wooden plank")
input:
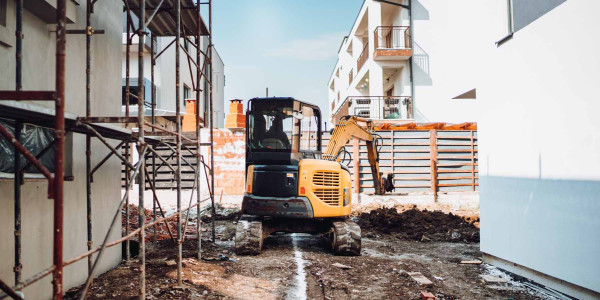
column 413, row 151
column 401, row 158
column 455, row 137
column 472, row 161
column 456, row 184
column 455, row 178
column 456, row 144
column 457, row 164
column 402, row 172
column 457, row 151
column 455, row 171
column 412, row 178
column 414, row 144
column 455, row 157
column 433, row 161
column 402, row 186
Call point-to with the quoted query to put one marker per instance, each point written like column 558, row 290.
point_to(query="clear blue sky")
column 289, row 46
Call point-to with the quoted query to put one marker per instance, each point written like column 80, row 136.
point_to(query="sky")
column 289, row 46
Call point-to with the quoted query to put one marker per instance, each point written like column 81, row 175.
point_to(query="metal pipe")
column 197, row 114
column 59, row 148
column 152, row 111
column 121, row 240
column 19, row 45
column 164, row 49
column 154, row 12
column 105, row 142
column 88, row 138
column 141, row 144
column 152, row 187
column 17, row 186
column 107, row 236
column 31, row 280
column 128, row 148
column 10, row 292
column 105, row 159
column 178, row 137
column 212, row 113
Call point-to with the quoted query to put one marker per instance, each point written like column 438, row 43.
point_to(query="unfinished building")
column 65, row 137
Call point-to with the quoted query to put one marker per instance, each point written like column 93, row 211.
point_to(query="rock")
column 338, row 265
column 493, row 279
column 100, row 295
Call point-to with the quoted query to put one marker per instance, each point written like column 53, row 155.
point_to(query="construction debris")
column 493, row 279
column 427, row 295
column 419, row 278
column 470, row 262
column 341, row 266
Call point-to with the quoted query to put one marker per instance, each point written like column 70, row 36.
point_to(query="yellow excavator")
column 291, row 185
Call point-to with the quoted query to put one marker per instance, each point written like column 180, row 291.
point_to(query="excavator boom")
column 361, row 129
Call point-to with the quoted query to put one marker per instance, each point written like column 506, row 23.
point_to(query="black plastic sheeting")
column 34, row 138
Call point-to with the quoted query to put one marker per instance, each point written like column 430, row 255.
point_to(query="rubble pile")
column 419, row 225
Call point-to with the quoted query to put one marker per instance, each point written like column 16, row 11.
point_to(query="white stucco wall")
column 539, row 145
column 38, row 74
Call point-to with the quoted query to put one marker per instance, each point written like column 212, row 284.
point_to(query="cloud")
column 320, row 48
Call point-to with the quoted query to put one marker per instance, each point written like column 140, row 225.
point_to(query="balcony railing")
column 392, row 37
column 362, row 58
column 380, row 107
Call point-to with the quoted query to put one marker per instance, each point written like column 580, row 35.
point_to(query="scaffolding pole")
column 59, row 148
column 178, row 137
column 17, row 184
column 56, row 180
column 140, row 146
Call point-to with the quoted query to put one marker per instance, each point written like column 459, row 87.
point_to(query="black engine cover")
column 275, row 181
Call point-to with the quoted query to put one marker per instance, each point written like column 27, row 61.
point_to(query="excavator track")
column 248, row 236
column 346, row 238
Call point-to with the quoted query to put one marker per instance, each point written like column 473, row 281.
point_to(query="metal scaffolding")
column 165, row 19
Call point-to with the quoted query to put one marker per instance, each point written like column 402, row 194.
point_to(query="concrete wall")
column 535, row 110
column 38, row 74
column 539, row 146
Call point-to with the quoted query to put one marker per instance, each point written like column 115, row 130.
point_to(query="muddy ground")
column 300, row 266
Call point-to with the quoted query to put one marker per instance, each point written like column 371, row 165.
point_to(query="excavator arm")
column 361, row 129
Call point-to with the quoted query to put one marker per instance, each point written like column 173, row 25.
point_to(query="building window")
column 187, row 92
column 35, row 139
column 133, row 89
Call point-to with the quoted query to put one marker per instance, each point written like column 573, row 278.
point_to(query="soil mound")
column 417, row 225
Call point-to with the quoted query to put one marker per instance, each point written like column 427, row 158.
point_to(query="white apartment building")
column 372, row 75
column 526, row 71
column 164, row 78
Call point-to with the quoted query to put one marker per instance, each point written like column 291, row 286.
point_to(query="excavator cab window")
column 271, row 127
column 282, row 131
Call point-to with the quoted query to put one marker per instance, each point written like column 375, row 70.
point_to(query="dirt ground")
column 300, row 266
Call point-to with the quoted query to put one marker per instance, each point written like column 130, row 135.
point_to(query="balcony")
column 362, row 58
column 377, row 107
column 392, row 43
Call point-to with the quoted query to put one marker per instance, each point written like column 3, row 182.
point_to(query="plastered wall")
column 38, row 74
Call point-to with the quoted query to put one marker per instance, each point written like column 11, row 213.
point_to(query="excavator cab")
column 289, row 186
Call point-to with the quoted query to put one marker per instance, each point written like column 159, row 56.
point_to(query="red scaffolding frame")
column 165, row 19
